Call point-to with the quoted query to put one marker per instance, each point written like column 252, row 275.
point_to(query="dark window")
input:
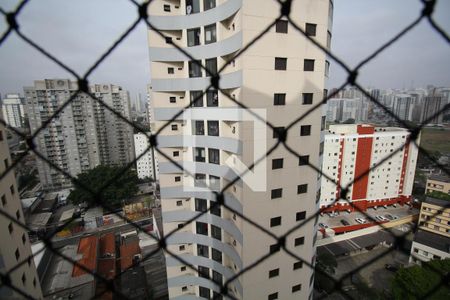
column 196, row 98
column 327, row 68
column 214, row 183
column 301, row 215
column 184, row 288
column 323, row 123
column 201, row 204
column 34, row 282
column 281, row 26
column 195, row 69
column 208, row 4
column 274, row 248
column 174, row 127
column 280, row 63
column 273, row 296
column 216, row 255
column 211, row 66
column 299, row 241
column 183, row 268
column 217, row 277
column 274, row 273
column 203, row 272
column 296, row 288
column 204, row 292
column 276, row 131
column 303, row 160
column 24, row 278
column 275, row 221
column 215, row 210
column 202, row 250
column 17, row 254
column 279, row 99
column 302, row 188
column 168, row 40
column 193, row 37
column 308, row 65
column 1, row 135
column 10, row 227
column 276, row 193
column 328, row 40
column 177, row 178
column 200, row 180
column 176, row 153
column 170, row 70
column 199, row 154
column 3, row 199
column 18, row 215
column 210, row 34
column 166, row 7
column 6, row 163
column 24, row 238
column 214, row 156
column 199, row 127
column 310, row 29
column 216, row 232
column 212, row 98
column 213, row 128
column 192, row 6
column 202, row 228
column 182, row 248
column 298, row 265
column 307, row 98
column 173, row 99
column 217, row 296
column 179, row 203
column 305, row 130
column 277, row 163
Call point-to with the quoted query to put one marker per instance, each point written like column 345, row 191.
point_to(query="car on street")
column 391, row 217
column 360, row 220
column 324, row 226
column 345, row 222
column 381, row 218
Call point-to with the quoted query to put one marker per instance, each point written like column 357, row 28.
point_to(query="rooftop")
column 438, row 202
column 433, row 240
column 107, row 245
column 27, row 202
column 440, row 177
column 88, row 249
column 128, row 249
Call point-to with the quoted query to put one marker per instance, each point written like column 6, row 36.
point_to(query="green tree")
column 418, row 282
column 123, row 186
column 439, row 195
column 325, row 263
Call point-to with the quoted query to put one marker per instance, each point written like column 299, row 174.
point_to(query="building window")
column 170, row 70
column 213, row 128
column 202, row 228
column 192, row 6
column 181, row 248
column 174, row 127
column 199, row 128
column 275, row 221
column 323, row 123
column 277, row 163
column 200, row 180
column 273, row 296
column 305, row 130
column 307, row 98
column 204, row 292
column 280, row 63
column 281, row 26
column 297, row 265
column 276, row 131
column 327, row 68
column 176, row 153
column 212, row 98
column 210, row 34
column 18, row 214
column 193, row 37
column 1, row 135
column 211, row 66
column 214, row 156
column 177, row 178
column 167, row 7
column 302, row 188
column 308, row 65
column 216, row 232
column 303, row 160
column 279, row 99
column 274, row 273
column 17, row 254
column 328, row 40
column 214, row 183
column 203, row 272
column 208, row 4
column 196, row 98
column 274, row 248
column 199, row 154
column 202, row 250
column 3, row 200
column 216, row 255
column 201, row 204
column 195, row 69
column 296, row 288
column 34, row 282
column 168, row 40
column 11, row 189
column 310, row 29
column 217, row 277
column 10, row 228
column 276, row 193
column 183, row 268
column 24, row 278
column 179, row 203
column 184, row 288
column 301, row 215
column 173, row 99
column 299, row 241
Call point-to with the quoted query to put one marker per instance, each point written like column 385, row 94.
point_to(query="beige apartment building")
column 281, row 77
column 438, row 183
column 15, row 244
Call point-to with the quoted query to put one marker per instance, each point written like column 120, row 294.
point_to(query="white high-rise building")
column 84, row 135
column 15, row 246
column 351, row 150
column 13, row 111
column 282, row 74
column 146, row 166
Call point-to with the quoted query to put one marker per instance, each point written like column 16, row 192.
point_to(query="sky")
column 78, row 32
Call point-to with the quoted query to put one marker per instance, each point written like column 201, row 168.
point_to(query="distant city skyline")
column 359, row 28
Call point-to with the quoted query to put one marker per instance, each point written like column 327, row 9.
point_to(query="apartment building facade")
column 84, row 134
column 15, row 246
column 146, row 166
column 283, row 75
column 350, row 151
column 13, row 110
column 438, row 183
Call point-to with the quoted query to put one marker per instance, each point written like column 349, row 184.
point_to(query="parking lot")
column 335, row 221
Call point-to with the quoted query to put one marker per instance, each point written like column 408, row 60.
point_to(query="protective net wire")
column 426, row 15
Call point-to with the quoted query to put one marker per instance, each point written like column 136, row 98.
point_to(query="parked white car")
column 360, row 220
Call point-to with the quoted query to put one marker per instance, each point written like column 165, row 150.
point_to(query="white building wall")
column 425, row 253
column 144, row 165
column 13, row 112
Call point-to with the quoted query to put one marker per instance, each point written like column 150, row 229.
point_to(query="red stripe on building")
column 405, row 161
column 362, row 163
column 341, row 156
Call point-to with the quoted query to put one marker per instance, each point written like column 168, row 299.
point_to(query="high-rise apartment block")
column 85, row 134
column 282, row 74
column 15, row 246
column 146, row 166
column 13, row 111
column 350, row 151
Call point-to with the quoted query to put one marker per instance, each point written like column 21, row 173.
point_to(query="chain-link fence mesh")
column 426, row 15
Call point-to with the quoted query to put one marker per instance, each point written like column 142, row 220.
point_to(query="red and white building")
column 350, row 151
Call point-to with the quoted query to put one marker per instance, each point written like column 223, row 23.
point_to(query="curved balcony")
column 199, row 167
column 227, row 81
column 206, row 141
column 217, row 49
column 204, row 113
column 217, row 14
